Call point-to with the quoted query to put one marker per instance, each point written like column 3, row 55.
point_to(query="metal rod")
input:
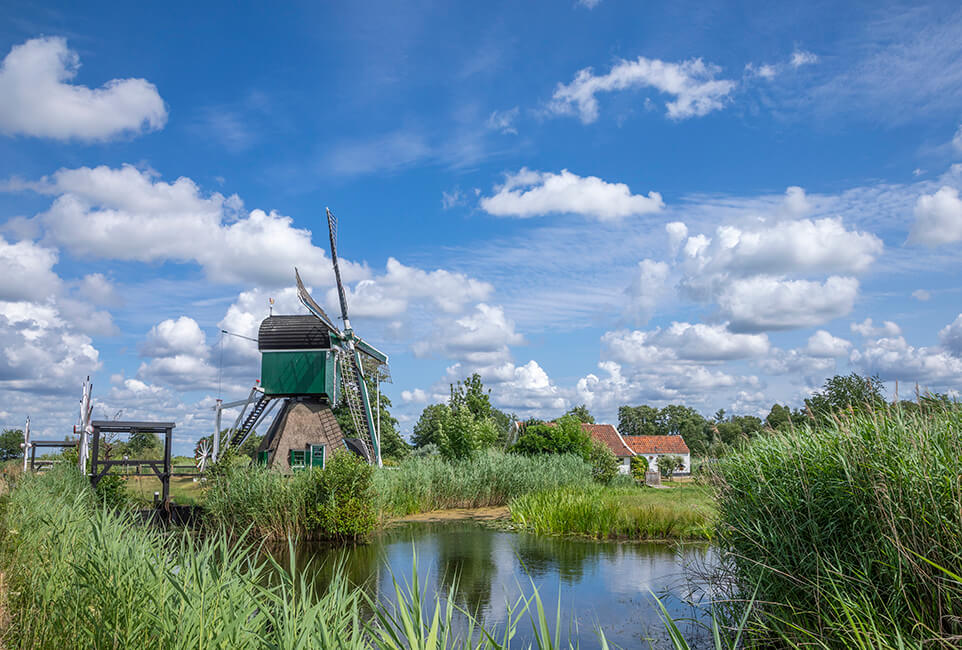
column 26, row 443
column 216, row 445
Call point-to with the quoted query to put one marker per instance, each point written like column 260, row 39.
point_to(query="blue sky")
column 605, row 203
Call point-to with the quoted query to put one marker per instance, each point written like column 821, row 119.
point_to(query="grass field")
column 183, row 491
column 680, row 512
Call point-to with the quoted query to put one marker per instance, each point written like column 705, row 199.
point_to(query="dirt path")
column 455, row 514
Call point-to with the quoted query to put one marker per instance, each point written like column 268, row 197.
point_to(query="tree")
column 471, row 393
column 639, row 466
column 458, row 434
column 10, row 441
column 564, row 436
column 582, row 413
column 676, row 419
column 842, row 393
column 427, row 429
column 669, row 464
column 779, row 417
column 143, row 444
column 638, row 421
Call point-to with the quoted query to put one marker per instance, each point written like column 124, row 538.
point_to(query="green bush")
column 564, row 436
column 339, row 500
column 112, row 491
column 604, row 463
column 850, row 519
column 639, row 466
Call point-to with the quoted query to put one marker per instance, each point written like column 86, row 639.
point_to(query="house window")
column 318, row 455
column 297, row 459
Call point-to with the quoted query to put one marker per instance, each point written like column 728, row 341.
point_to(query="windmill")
column 202, row 455
column 309, row 365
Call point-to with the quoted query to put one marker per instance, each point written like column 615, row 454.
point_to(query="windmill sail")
column 308, row 301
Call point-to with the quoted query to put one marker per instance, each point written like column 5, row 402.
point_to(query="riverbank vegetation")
column 637, row 513
column 81, row 575
column 848, row 531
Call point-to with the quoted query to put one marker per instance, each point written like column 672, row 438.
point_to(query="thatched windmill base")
column 301, row 422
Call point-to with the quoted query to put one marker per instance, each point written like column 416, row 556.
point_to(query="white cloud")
column 172, row 337
column 693, row 84
column 39, row 101
column 27, row 271
column 868, row 329
column 589, row 4
column 41, row 351
column 531, row 193
column 452, row 198
column 127, row 214
column 677, row 233
column 480, row 338
column 647, row 286
column 768, row 303
column 921, row 295
column 765, row 71
column 97, row 289
column 938, row 218
column 893, row 359
column 416, row 396
column 801, row 57
column 389, row 295
column 957, row 139
column 682, row 341
column 951, row 336
column 823, row 344
column 503, row 121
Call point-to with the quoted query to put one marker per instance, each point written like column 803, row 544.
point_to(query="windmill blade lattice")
column 351, row 379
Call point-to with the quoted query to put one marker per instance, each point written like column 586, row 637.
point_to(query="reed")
column 851, row 531
column 490, row 478
column 685, row 513
column 80, row 575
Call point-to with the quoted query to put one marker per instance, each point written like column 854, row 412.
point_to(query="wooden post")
column 26, row 444
column 95, row 456
column 168, row 436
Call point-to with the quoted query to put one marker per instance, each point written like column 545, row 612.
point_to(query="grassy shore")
column 79, row 575
column 638, row 513
column 487, row 479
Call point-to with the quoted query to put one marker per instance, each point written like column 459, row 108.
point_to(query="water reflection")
column 599, row 584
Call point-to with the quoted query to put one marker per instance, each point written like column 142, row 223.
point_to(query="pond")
column 601, row 584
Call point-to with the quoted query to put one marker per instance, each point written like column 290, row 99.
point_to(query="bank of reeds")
column 601, row 512
column 850, row 532
column 80, row 575
column 489, row 478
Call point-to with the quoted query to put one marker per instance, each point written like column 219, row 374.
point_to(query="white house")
column 654, row 447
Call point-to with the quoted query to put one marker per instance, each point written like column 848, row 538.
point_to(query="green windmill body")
column 309, row 366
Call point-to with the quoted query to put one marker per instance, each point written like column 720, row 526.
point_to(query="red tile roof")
column 607, row 434
column 657, row 444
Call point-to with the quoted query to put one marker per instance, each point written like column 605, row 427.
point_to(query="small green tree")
column 582, row 413
column 143, row 444
column 639, row 465
column 669, row 464
column 458, row 437
column 10, row 441
column 339, row 502
column 564, row 436
column 844, row 393
column 427, row 430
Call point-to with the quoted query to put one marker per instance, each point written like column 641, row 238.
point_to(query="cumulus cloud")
column 682, row 341
column 951, row 336
column 938, row 218
column 869, row 329
column 416, row 396
column 893, row 359
column 692, row 83
column 27, row 271
column 172, row 337
column 41, row 351
column 38, row 99
column 823, row 344
column 481, row 337
column 127, row 214
column 530, row 193
column 767, row 303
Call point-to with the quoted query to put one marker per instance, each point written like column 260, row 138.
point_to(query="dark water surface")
column 601, row 584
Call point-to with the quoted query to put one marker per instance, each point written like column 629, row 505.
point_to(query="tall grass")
column 83, row 576
column 267, row 503
column 611, row 513
column 490, row 478
column 850, row 532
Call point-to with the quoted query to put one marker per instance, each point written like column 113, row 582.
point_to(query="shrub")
column 112, row 491
column 564, row 436
column 669, row 464
column 604, row 463
column 339, row 500
column 639, row 465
